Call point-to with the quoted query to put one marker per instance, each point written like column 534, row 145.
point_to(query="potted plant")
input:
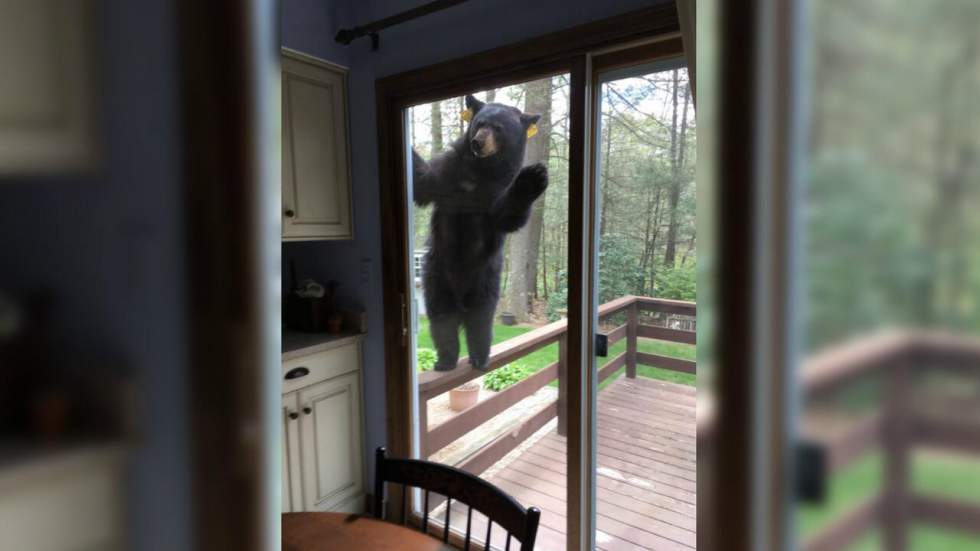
column 508, row 318
column 464, row 396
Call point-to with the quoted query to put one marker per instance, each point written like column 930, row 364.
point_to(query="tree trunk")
column 524, row 245
column 459, row 115
column 436, row 126
column 605, row 195
column 491, row 95
column 678, row 131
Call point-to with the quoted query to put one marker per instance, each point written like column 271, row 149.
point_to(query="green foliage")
column 678, row 283
column 425, row 359
column 863, row 262
column 506, row 376
column 558, row 301
column 620, row 273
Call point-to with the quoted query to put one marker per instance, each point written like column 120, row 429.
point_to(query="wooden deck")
column 646, row 479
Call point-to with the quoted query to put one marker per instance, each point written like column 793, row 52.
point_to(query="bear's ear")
column 474, row 104
column 528, row 120
column 530, row 123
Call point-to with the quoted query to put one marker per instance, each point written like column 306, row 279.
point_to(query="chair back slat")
column 469, row 524
column 508, row 542
column 445, row 528
column 519, row 522
column 486, row 541
column 405, row 504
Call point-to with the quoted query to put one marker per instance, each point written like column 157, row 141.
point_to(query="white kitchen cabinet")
column 70, row 499
column 331, row 454
column 47, row 91
column 316, row 183
column 323, row 453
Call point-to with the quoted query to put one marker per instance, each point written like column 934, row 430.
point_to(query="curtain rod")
column 346, row 36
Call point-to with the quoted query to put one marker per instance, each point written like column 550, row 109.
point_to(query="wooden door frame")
column 567, row 51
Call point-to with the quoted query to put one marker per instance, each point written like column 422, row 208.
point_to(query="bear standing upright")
column 481, row 194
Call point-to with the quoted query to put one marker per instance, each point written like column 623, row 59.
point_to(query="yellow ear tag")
column 532, row 130
column 466, row 115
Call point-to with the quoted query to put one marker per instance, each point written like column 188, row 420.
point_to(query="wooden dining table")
column 346, row 532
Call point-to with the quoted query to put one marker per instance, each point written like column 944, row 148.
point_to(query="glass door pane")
column 489, row 273
column 646, row 302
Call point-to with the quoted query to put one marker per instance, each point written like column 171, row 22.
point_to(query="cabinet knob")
column 293, row 415
column 307, row 410
column 289, row 213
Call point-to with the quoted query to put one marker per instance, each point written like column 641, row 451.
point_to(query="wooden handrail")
column 434, row 383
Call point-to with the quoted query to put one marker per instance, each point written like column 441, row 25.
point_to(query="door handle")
column 293, row 415
column 297, row 372
column 811, row 472
column 601, row 345
column 307, row 410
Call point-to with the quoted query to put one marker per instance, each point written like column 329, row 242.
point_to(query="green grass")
column 543, row 357
column 931, row 474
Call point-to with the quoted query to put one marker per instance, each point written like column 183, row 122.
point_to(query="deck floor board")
column 646, row 481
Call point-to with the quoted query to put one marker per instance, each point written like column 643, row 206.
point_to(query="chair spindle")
column 486, row 542
column 425, row 516
column 445, row 529
column 404, row 504
column 508, row 542
column 469, row 522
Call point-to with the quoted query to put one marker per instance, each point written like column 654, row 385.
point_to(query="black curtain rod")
column 346, row 36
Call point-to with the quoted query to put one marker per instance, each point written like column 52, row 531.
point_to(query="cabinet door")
column 292, row 491
column 331, row 453
column 315, row 171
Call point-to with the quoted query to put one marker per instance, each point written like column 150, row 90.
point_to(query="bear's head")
column 497, row 132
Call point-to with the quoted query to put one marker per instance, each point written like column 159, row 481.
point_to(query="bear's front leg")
column 514, row 208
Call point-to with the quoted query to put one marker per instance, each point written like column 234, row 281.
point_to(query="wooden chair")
column 519, row 523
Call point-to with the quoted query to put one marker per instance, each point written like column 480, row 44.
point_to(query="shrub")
column 505, row 376
column 425, row 359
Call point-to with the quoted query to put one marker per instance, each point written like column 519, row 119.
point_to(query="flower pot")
column 464, row 396
column 508, row 318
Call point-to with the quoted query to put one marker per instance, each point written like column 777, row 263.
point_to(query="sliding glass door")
column 488, row 307
column 643, row 373
column 532, row 214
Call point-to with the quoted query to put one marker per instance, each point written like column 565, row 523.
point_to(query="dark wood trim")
column 948, row 513
column 666, row 362
column 563, row 51
column 845, row 531
column 667, row 334
column 618, row 334
column 578, row 351
column 668, row 306
column 725, row 499
column 612, row 367
column 548, row 54
column 661, row 49
column 222, row 196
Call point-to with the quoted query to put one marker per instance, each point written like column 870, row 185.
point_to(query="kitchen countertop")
column 296, row 344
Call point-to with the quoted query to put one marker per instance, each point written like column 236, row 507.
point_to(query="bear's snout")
column 483, row 144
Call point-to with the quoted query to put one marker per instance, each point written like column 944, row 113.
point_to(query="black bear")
column 481, row 194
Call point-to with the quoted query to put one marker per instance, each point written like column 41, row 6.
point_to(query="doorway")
column 532, row 429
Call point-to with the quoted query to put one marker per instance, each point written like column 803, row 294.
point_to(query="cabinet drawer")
column 321, row 366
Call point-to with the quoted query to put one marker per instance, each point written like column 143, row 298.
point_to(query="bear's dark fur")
column 481, row 194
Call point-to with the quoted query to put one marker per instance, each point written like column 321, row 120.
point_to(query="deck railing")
column 896, row 428
column 432, row 384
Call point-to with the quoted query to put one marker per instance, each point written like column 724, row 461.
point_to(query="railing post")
column 562, row 385
column 895, row 512
column 632, row 317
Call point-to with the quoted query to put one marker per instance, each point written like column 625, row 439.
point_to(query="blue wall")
column 458, row 31
column 109, row 249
